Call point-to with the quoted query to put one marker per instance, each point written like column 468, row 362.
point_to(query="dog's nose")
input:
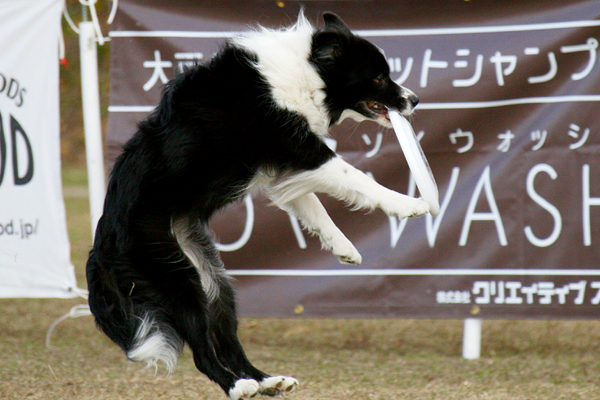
column 414, row 100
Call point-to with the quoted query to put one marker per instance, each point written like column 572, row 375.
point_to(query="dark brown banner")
column 508, row 119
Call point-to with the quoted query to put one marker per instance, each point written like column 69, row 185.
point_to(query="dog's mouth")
column 378, row 109
column 375, row 111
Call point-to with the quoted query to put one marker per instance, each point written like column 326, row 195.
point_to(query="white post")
column 90, row 94
column 472, row 339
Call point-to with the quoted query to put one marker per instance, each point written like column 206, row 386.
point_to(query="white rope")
column 91, row 4
column 61, row 47
column 83, row 293
column 113, row 12
column 69, row 20
column 80, row 310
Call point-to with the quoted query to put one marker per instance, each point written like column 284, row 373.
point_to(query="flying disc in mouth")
column 417, row 162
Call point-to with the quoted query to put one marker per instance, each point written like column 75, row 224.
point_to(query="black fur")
column 215, row 128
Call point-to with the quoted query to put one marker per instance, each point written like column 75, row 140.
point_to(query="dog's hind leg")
column 194, row 311
column 195, row 240
column 190, row 312
column 230, row 351
column 315, row 219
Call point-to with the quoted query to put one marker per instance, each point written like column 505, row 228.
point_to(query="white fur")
column 244, row 389
column 209, row 274
column 278, row 385
column 312, row 215
column 283, row 62
column 315, row 219
column 356, row 116
column 344, row 182
column 152, row 346
column 406, row 94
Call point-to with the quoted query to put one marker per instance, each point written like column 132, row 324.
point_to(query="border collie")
column 255, row 116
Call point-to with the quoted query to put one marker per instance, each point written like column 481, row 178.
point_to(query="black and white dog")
column 254, row 117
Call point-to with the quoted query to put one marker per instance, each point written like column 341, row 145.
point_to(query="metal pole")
column 472, row 339
column 90, row 94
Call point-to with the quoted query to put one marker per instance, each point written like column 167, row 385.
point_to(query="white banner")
column 34, row 246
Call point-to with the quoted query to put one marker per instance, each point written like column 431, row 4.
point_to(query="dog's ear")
column 328, row 43
column 333, row 23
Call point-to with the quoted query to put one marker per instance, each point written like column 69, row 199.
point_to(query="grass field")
column 333, row 359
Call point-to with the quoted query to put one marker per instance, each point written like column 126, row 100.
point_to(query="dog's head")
column 356, row 75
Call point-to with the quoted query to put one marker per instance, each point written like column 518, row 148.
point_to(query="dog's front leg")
column 315, row 219
column 344, row 182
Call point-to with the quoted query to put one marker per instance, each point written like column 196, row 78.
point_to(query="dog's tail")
column 143, row 335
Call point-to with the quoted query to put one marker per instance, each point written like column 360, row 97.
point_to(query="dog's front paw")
column 419, row 208
column 277, row 386
column 244, row 389
column 335, row 241
column 406, row 207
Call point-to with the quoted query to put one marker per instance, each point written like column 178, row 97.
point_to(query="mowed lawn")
column 333, row 359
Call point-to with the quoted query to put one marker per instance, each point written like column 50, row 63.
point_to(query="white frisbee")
column 417, row 162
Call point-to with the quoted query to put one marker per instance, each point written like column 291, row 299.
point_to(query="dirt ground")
column 333, row 359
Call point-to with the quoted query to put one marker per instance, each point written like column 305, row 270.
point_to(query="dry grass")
column 333, row 359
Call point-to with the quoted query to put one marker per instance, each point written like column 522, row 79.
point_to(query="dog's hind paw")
column 244, row 389
column 277, row 386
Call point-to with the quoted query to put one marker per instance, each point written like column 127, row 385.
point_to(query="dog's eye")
column 380, row 80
